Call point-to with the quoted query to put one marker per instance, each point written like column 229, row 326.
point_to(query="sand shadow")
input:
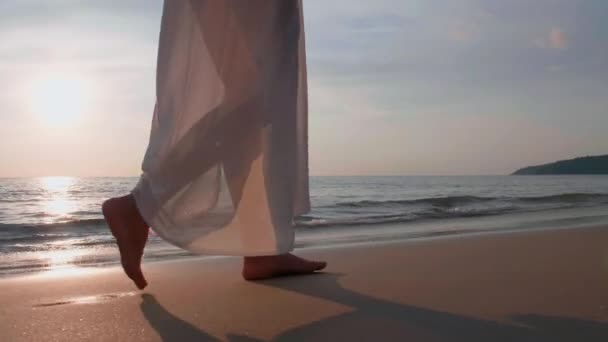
column 172, row 328
column 378, row 319
column 169, row 326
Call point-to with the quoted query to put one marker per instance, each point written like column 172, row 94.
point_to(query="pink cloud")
column 558, row 39
column 463, row 32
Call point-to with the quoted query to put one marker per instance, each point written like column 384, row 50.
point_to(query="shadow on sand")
column 172, row 328
column 374, row 319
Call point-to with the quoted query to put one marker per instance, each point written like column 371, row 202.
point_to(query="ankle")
column 263, row 258
column 127, row 207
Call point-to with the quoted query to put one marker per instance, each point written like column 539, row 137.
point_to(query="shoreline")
column 334, row 237
column 543, row 285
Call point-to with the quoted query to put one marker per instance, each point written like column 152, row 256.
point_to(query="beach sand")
column 549, row 285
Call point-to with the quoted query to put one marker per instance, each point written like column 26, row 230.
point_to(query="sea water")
column 53, row 222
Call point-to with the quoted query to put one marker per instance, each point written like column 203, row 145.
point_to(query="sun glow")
column 58, row 98
column 58, row 205
column 63, row 258
column 57, row 184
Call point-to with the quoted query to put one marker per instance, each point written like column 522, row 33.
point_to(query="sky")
column 404, row 87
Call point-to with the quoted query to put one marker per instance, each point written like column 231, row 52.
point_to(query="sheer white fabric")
column 226, row 169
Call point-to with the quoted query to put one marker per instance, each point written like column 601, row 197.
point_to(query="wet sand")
column 549, row 285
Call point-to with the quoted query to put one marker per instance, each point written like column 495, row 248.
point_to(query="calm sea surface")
column 54, row 222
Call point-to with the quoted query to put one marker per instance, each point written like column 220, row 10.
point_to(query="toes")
column 320, row 265
column 141, row 283
column 138, row 279
column 284, row 265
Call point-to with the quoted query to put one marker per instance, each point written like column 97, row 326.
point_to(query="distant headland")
column 595, row 165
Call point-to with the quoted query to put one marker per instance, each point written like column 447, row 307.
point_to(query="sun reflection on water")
column 57, row 184
column 57, row 204
column 60, row 207
column 57, row 207
column 61, row 258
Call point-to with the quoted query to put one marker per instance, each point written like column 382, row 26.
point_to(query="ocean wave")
column 437, row 201
column 569, row 198
column 31, row 234
column 370, row 211
column 402, row 211
column 19, row 200
column 349, row 213
column 313, row 221
column 50, row 226
column 453, row 201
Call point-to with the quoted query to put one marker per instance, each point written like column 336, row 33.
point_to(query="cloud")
column 558, row 39
column 463, row 33
column 395, row 87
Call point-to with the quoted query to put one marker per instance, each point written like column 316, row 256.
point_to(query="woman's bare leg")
column 131, row 233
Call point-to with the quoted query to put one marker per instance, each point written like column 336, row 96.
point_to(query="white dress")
column 226, row 169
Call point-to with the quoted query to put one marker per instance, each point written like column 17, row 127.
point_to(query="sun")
column 58, row 98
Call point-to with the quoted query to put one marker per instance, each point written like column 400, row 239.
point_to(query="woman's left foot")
column 131, row 233
column 265, row 267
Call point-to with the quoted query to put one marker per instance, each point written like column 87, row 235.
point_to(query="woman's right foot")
column 266, row 267
column 131, row 233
